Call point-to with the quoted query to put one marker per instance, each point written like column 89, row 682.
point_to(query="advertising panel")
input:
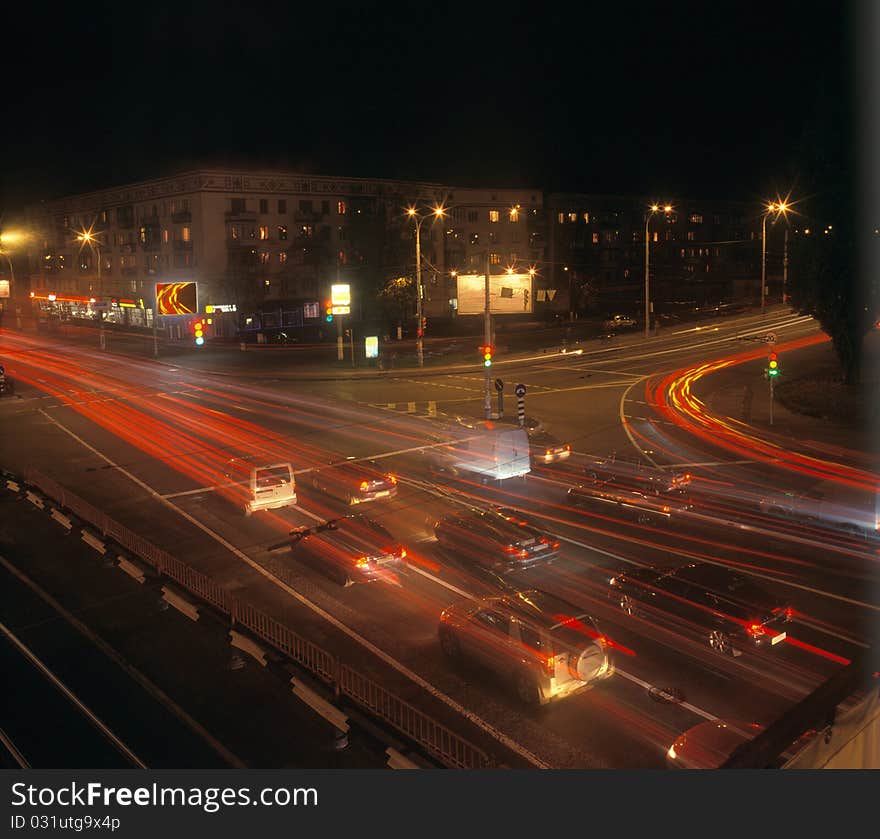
column 176, row 298
column 509, row 294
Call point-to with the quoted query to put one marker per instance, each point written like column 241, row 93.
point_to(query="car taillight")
column 362, row 562
column 391, row 479
column 756, row 629
column 789, row 613
column 365, row 486
column 401, row 553
column 567, row 447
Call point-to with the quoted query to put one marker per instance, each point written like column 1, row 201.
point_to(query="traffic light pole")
column 487, row 336
column 771, row 399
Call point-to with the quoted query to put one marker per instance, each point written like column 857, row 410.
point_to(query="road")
column 148, row 443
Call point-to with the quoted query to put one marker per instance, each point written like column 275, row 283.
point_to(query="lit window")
column 657, row 236
column 186, row 234
column 690, row 235
column 264, row 232
column 494, row 215
column 572, row 216
column 514, row 213
column 305, row 231
column 282, row 232
column 560, row 218
column 264, row 257
column 341, row 209
column 235, row 232
column 282, row 257
column 343, row 257
column 475, row 238
column 596, row 238
column 587, row 218
column 494, row 258
column 696, row 218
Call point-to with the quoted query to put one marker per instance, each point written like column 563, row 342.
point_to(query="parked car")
column 352, row 549
column 544, row 647
column 546, row 448
column 619, row 322
column 642, row 507
column 728, row 609
column 492, row 541
column 354, row 483
column 709, row 744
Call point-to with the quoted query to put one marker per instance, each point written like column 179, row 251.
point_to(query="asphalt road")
column 147, row 443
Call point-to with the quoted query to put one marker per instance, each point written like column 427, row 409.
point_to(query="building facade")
column 266, row 247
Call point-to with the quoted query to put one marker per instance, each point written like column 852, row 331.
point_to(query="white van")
column 494, row 452
column 266, row 486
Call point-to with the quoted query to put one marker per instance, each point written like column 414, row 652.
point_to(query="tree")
column 398, row 298
column 834, row 244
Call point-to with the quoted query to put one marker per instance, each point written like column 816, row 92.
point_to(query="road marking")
column 259, row 569
column 648, row 686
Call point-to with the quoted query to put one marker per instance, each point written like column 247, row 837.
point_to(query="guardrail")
column 450, row 749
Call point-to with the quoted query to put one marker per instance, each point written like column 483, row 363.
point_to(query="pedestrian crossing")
column 422, row 408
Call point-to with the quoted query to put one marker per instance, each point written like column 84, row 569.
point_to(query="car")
column 642, row 507
column 544, row 647
column 354, row 482
column 261, row 486
column 619, row 322
column 351, row 549
column 488, row 540
column 726, row 608
column 546, row 448
column 636, row 474
column 710, row 743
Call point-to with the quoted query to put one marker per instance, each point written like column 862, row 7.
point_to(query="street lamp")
column 780, row 208
column 655, row 208
column 86, row 237
column 436, row 213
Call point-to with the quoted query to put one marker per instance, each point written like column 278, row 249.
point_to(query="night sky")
column 682, row 99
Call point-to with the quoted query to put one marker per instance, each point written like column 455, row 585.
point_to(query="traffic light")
column 487, row 356
column 422, row 327
column 328, row 312
column 199, row 331
column 772, row 364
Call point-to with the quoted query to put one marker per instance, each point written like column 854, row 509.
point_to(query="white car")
column 619, row 322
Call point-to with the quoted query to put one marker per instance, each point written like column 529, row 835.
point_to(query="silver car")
column 544, row 647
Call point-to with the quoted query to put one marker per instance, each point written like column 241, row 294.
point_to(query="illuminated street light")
column 436, row 213
column 86, row 237
column 780, row 208
column 655, row 208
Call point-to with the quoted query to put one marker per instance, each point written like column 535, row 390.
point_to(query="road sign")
column 499, row 385
column 770, row 337
column 520, row 390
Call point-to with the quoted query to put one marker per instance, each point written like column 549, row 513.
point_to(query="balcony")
column 180, row 245
column 240, row 215
column 183, row 217
column 307, row 215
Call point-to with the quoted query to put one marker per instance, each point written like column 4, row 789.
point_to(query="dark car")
column 635, row 474
column 546, row 448
column 642, row 507
column 727, row 609
column 352, row 549
column 6, row 384
column 493, row 541
column 544, row 647
column 354, row 483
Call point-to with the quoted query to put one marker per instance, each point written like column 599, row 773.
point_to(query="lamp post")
column 780, row 208
column 655, row 208
column 90, row 239
column 436, row 212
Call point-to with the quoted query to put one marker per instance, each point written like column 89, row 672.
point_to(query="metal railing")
column 449, row 748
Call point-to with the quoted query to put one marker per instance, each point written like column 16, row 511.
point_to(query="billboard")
column 176, row 298
column 4, row 288
column 509, row 294
column 340, row 295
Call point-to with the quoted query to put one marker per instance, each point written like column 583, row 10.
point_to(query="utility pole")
column 487, row 337
column 785, row 266
column 419, row 347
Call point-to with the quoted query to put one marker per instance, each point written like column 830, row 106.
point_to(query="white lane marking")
column 648, row 686
column 381, row 654
column 154, row 690
column 72, row 697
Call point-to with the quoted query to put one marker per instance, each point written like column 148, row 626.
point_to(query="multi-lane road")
column 149, row 444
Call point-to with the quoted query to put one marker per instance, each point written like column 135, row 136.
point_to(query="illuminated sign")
column 340, row 295
column 212, row 309
column 371, row 346
column 340, row 310
column 4, row 288
column 176, row 298
column 509, row 294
